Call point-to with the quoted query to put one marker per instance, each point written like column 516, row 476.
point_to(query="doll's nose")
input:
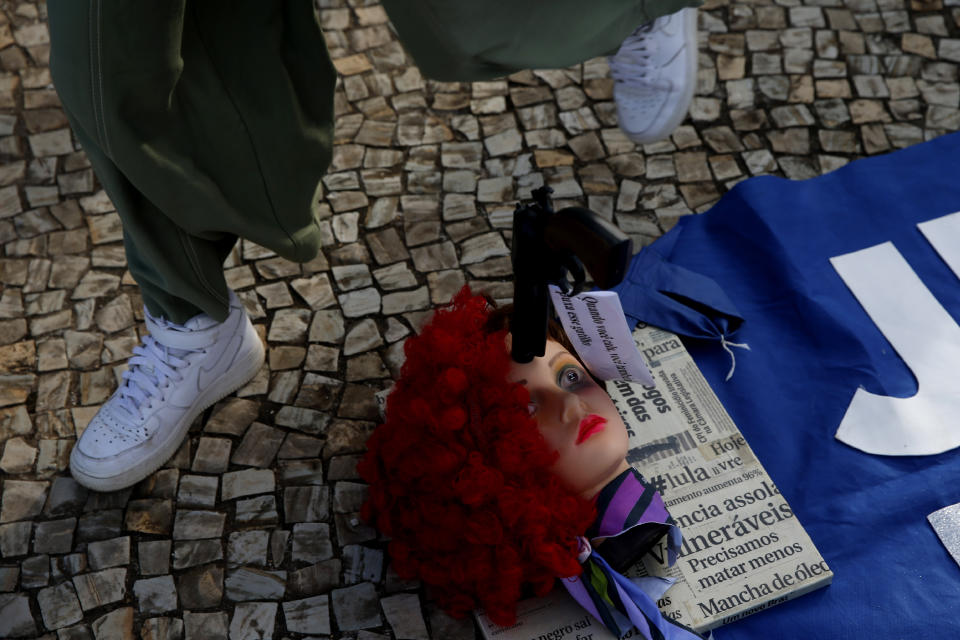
column 573, row 410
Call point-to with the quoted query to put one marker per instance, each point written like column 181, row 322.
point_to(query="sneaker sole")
column 691, row 52
column 159, row 456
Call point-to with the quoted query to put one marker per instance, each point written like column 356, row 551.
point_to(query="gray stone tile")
column 253, row 621
column 59, row 606
column 257, row 510
column 199, row 524
column 9, row 576
column 156, row 595
column 250, row 583
column 101, row 587
column 232, row 416
column 403, row 613
column 248, row 548
column 259, row 446
column 314, row 579
column 200, row 588
column 356, row 607
column 154, row 556
column 22, row 499
column 54, row 536
column 192, row 553
column 162, row 628
column 104, row 554
column 311, row 543
column 16, row 620
column 362, row 564
column 205, row 626
column 309, row 615
column 198, row 491
column 116, row 625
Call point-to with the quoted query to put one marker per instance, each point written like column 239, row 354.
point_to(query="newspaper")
column 744, row 549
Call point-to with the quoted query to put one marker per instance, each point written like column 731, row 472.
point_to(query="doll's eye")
column 569, row 377
column 531, row 409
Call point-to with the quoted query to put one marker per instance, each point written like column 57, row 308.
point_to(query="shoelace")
column 152, row 366
column 632, row 60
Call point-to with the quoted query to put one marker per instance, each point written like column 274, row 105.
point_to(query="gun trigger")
column 575, row 267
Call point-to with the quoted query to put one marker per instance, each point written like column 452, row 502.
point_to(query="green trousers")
column 209, row 120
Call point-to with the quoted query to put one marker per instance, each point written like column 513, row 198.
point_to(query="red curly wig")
column 459, row 474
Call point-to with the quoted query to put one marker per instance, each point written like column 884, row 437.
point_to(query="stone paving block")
column 285, row 357
column 309, row 615
column 445, row 626
column 314, row 579
column 362, row 564
column 18, row 456
column 356, row 607
column 321, row 358
column 16, row 620
column 100, row 525
column 22, row 499
column 155, row 595
column 301, row 472
column 162, row 628
column 35, row 572
column 154, row 556
column 250, row 583
column 348, row 496
column 298, row 445
column 9, row 576
column 253, row 621
column 232, row 416
column 311, row 542
column 198, row 491
column 403, row 613
column 364, row 336
column 248, row 548
column 192, row 553
column 260, row 509
column 198, row 524
column 213, row 455
column 205, row 626
column 116, row 625
column 306, row 504
column 259, row 446
column 149, row 516
column 201, row 588
column 54, row 536
column 109, row 553
column 101, row 587
column 59, row 606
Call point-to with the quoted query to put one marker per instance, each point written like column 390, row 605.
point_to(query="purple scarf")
column 631, row 517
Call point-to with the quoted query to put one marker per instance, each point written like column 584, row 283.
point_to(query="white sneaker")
column 176, row 373
column 655, row 74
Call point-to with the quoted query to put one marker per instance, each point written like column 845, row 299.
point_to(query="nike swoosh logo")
column 216, row 369
column 221, row 366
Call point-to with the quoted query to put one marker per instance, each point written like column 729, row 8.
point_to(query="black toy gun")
column 546, row 246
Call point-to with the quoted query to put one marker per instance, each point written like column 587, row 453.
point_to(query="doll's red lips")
column 590, row 425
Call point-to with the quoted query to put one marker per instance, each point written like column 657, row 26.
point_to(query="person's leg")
column 655, row 41
column 462, row 40
column 655, row 76
column 204, row 121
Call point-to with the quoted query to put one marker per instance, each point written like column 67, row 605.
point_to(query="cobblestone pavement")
column 251, row 530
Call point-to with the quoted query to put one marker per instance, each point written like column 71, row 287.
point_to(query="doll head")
column 464, row 481
column 576, row 417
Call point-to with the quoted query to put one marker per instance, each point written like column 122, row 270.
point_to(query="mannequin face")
column 576, row 417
